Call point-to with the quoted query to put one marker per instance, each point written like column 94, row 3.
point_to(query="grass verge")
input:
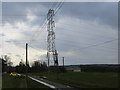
column 84, row 79
column 19, row 82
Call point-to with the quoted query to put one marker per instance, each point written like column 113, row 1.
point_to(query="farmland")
column 83, row 79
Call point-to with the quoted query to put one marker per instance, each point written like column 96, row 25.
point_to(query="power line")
column 34, row 48
column 75, row 48
column 42, row 27
column 66, row 45
column 37, row 49
column 67, row 42
column 71, row 42
column 44, row 24
column 82, row 36
column 77, row 31
column 59, row 6
column 94, row 45
column 20, row 15
column 53, row 5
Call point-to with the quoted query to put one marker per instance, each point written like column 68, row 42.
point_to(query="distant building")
column 74, row 68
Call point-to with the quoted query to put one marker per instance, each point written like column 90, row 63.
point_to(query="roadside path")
column 53, row 85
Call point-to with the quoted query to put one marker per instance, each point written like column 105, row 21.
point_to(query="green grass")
column 84, row 79
column 34, row 84
column 16, row 82
column 10, row 82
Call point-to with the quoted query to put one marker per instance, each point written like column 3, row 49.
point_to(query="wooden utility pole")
column 26, row 64
column 63, row 61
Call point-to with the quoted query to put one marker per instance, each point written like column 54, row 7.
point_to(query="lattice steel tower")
column 51, row 49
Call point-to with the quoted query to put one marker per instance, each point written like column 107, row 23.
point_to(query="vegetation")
column 34, row 84
column 92, row 76
column 6, row 63
column 19, row 82
column 84, row 79
column 100, row 68
column 10, row 82
column 38, row 66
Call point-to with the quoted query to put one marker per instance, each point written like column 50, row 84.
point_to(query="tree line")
column 39, row 66
column 100, row 68
column 36, row 67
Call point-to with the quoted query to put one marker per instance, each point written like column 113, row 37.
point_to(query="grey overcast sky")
column 86, row 32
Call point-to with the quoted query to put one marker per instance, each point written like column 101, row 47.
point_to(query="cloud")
column 1, row 35
column 30, row 15
column 78, row 25
column 106, row 12
column 24, row 12
column 83, row 33
column 16, row 36
column 18, row 55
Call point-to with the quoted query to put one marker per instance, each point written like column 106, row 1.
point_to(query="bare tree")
column 7, row 59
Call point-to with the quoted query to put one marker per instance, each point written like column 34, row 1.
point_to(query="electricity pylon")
column 51, row 49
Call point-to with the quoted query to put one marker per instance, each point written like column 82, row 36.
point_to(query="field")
column 73, row 79
column 19, row 82
column 84, row 79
